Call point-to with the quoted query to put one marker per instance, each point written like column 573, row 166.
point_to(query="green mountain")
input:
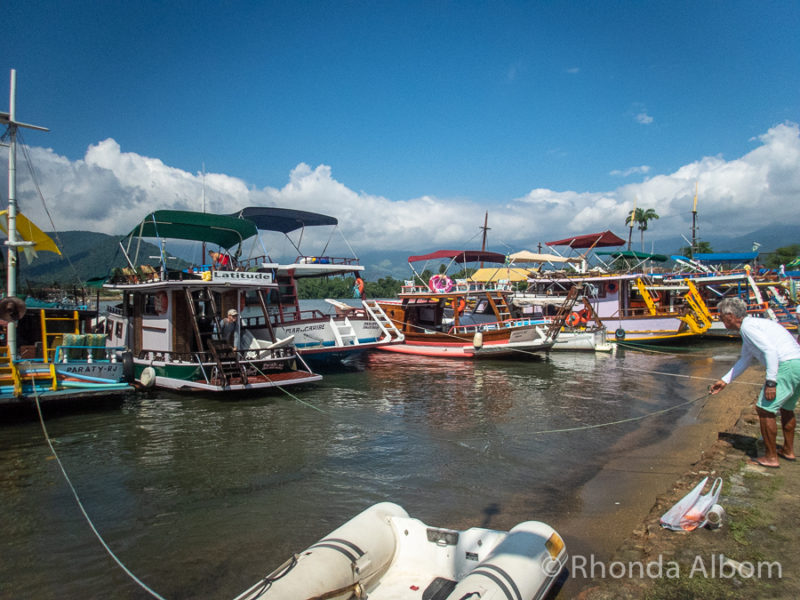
column 85, row 255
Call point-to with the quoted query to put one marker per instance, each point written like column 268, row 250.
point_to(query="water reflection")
column 200, row 496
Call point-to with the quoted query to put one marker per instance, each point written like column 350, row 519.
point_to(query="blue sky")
column 394, row 107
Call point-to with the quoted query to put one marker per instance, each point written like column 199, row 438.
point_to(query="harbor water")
column 200, row 496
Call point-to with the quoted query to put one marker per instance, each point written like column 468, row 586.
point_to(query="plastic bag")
column 690, row 512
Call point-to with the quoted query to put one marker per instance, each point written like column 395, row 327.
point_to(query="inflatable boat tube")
column 346, row 561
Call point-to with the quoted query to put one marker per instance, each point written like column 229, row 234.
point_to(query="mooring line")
column 686, row 376
column 110, row 552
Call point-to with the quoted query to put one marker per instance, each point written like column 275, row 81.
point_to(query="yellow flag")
column 30, row 233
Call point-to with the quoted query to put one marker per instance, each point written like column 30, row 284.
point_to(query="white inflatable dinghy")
column 383, row 554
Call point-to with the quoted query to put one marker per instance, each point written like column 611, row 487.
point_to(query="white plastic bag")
column 690, row 512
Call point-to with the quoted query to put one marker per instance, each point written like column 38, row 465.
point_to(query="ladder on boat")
column 227, row 360
column 53, row 330
column 13, row 376
column 343, row 333
column 563, row 311
column 389, row 329
column 499, row 304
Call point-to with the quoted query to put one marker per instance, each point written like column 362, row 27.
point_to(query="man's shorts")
column 787, row 391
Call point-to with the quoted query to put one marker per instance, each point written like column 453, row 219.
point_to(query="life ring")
column 611, row 287
column 573, row 319
column 584, row 315
column 440, row 284
column 619, row 334
column 162, row 302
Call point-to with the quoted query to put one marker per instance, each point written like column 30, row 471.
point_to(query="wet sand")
column 618, row 499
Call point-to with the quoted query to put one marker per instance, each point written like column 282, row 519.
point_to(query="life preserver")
column 441, row 284
column 584, row 315
column 162, row 302
column 611, row 287
column 461, row 304
column 619, row 334
column 573, row 319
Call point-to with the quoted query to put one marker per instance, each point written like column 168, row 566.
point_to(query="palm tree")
column 641, row 218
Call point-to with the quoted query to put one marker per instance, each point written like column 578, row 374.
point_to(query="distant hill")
column 85, row 255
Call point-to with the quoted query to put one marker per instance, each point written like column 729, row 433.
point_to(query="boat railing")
column 458, row 286
column 495, row 325
column 245, row 355
column 326, row 260
column 100, row 354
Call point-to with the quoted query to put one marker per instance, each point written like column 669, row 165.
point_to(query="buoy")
column 477, row 341
column 619, row 334
column 148, row 377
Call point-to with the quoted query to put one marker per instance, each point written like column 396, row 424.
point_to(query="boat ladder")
column 499, row 305
column 389, row 329
column 343, row 333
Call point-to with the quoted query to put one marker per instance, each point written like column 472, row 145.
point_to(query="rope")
column 110, row 552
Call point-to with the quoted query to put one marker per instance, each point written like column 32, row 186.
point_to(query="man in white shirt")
column 774, row 347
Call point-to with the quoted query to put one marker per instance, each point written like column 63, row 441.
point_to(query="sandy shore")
column 618, row 500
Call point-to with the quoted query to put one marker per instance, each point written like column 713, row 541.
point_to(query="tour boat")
column 461, row 318
column 47, row 354
column 319, row 335
column 384, row 554
column 170, row 318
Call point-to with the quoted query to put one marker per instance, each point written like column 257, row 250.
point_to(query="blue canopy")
column 726, row 257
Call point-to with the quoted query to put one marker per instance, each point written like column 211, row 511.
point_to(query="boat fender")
column 573, row 319
column 148, row 377
column 477, row 340
column 524, row 565
column 128, row 370
column 349, row 559
column 619, row 334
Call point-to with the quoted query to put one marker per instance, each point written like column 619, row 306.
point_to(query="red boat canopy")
column 461, row 256
column 590, row 240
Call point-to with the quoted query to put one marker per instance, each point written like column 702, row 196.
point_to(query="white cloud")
column 573, row 70
column 642, row 170
column 643, row 118
column 110, row 191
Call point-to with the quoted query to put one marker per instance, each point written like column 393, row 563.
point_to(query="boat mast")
column 9, row 119
column 485, row 229
column 694, row 224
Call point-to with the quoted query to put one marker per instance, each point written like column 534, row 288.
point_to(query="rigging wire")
column 97, row 534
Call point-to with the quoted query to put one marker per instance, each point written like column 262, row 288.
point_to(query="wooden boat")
column 47, row 354
column 384, row 554
column 319, row 336
column 171, row 318
column 463, row 318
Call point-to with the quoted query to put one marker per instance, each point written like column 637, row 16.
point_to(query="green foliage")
column 342, row 287
column 782, row 256
column 702, row 248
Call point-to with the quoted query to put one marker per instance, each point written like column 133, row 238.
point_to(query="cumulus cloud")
column 110, row 191
column 643, row 118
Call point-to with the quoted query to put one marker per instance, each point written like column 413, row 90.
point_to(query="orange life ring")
column 611, row 287
column 584, row 315
column 360, row 284
column 573, row 319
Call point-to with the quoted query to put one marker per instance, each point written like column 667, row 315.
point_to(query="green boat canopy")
column 633, row 254
column 225, row 231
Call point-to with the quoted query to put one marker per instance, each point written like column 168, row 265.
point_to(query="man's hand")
column 717, row 386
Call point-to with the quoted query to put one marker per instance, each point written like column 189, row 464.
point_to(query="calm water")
column 200, row 496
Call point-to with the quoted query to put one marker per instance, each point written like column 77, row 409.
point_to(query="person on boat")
column 230, row 329
column 220, row 261
column 773, row 346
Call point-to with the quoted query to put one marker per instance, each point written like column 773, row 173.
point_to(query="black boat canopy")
column 271, row 218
